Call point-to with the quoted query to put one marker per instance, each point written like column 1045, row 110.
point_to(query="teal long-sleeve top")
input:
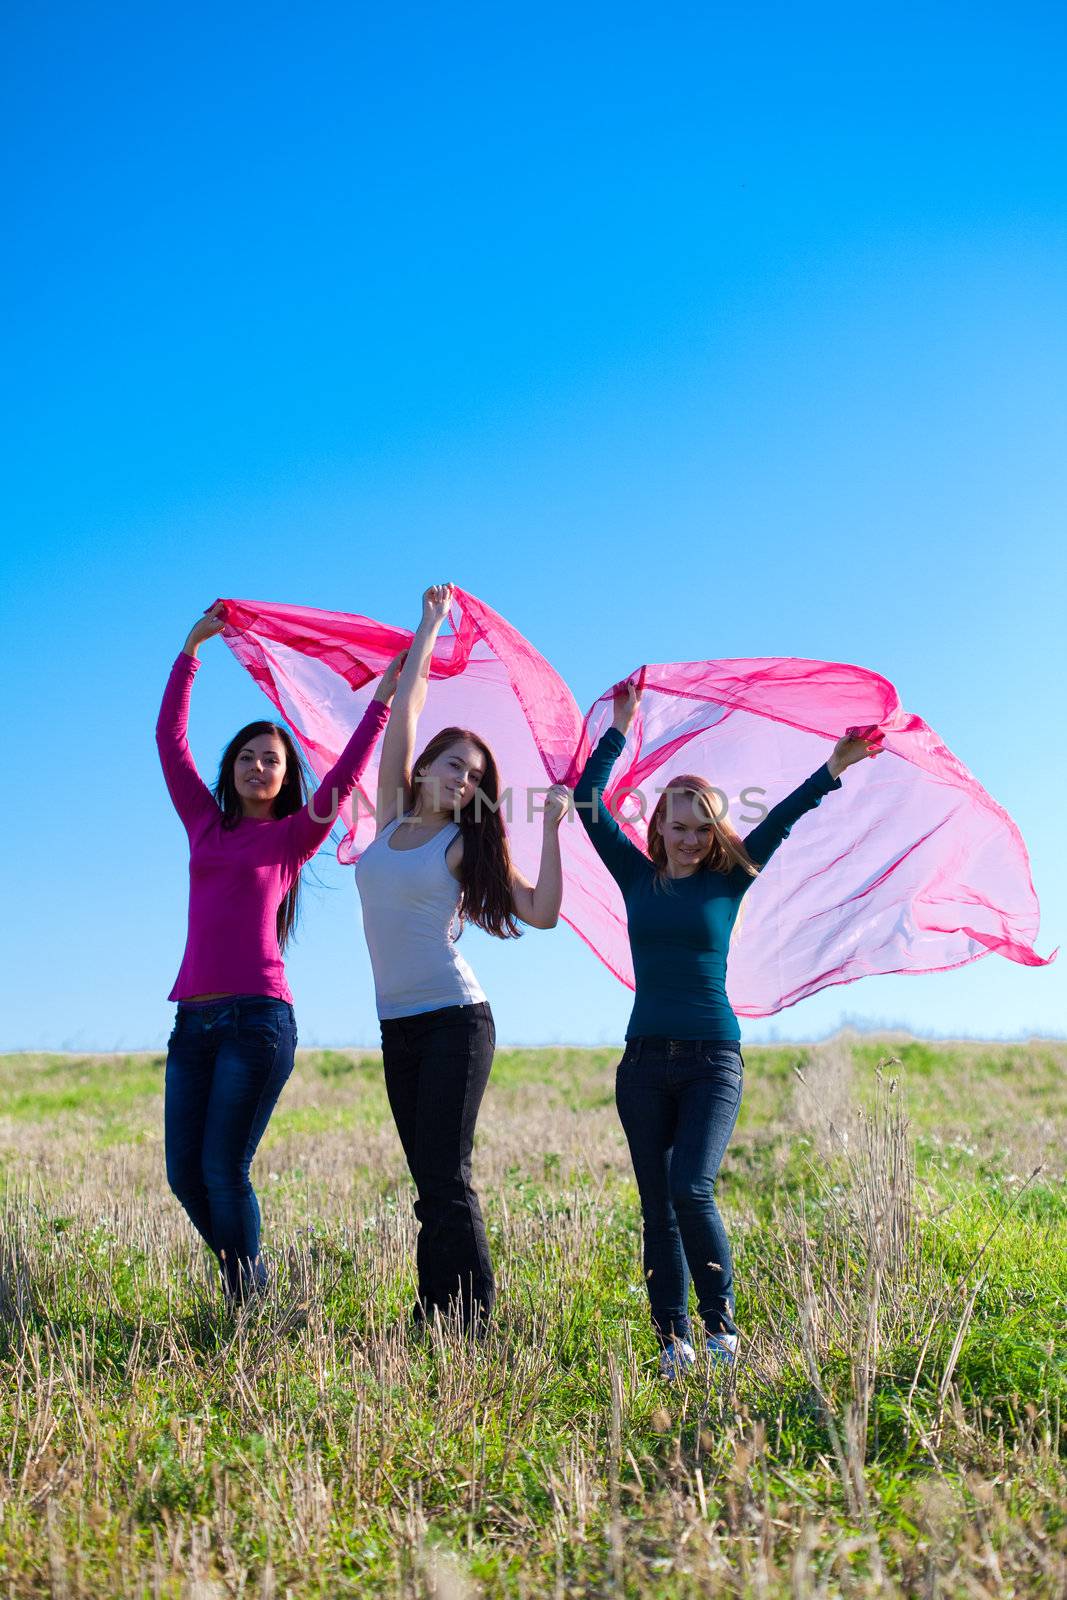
column 680, row 928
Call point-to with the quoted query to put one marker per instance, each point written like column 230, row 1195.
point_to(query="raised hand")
column 205, row 627
column 387, row 683
column 854, row 746
column 557, row 803
column 626, row 698
column 436, row 603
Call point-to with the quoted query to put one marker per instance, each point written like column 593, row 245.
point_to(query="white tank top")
column 410, row 902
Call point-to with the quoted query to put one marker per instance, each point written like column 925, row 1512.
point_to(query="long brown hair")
column 485, row 871
column 290, row 797
column 727, row 848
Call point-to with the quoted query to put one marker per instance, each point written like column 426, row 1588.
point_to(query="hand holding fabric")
column 626, row 698
column 853, row 747
column 205, row 627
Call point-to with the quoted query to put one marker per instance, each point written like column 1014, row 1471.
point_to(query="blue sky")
column 705, row 332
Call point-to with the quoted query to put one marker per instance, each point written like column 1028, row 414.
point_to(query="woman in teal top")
column 678, row 1086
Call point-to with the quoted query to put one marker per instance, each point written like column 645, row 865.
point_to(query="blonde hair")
column 727, row 848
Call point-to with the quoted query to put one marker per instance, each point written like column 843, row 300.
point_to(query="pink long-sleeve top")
column 239, row 876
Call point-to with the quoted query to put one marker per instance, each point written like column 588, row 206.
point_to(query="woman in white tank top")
column 440, row 858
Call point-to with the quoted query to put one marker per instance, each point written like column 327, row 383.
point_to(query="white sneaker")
column 722, row 1349
column 676, row 1359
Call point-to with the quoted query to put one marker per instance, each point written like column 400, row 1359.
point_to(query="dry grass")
column 893, row 1429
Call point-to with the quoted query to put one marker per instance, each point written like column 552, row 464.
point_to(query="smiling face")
column 259, row 771
column 448, row 781
column 687, row 832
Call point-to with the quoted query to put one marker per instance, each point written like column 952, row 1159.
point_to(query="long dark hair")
column 485, row 872
column 290, row 797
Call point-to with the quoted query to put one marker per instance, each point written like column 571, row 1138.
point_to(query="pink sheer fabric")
column 911, row 867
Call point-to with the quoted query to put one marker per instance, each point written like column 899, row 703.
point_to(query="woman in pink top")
column 234, row 1036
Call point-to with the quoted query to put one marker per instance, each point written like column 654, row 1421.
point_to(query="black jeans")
column 678, row 1100
column 227, row 1063
column 437, row 1065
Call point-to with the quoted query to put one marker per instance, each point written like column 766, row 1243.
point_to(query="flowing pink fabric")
column 911, row 867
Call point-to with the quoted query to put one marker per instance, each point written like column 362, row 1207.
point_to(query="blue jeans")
column 227, row 1063
column 678, row 1100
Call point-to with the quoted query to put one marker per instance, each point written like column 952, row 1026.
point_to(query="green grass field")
column 899, row 1217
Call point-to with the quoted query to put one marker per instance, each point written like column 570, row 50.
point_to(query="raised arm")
column 190, row 795
column 312, row 823
column 767, row 835
column 398, row 746
column 621, row 858
column 538, row 903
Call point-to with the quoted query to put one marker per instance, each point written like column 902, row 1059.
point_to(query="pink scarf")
column 913, row 867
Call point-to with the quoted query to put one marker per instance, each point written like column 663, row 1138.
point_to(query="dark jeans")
column 436, row 1069
column 678, row 1100
column 227, row 1063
